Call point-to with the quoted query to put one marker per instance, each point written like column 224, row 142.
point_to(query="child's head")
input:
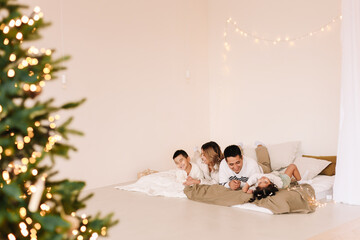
column 181, row 159
column 260, row 192
column 211, row 153
column 263, row 182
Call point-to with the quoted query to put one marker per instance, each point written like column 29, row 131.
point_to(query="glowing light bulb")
column 18, row 23
column 11, row 73
column 6, row 30
column 34, row 172
column 36, row 17
column 12, row 57
column 12, row 23
column 6, row 41
column 19, row 36
column 1, row 108
column 24, row 19
column 37, row 9
column 31, row 22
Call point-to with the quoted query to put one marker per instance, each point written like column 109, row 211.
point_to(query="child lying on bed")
column 268, row 184
column 186, row 171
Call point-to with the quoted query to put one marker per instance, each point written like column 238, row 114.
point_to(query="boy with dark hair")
column 186, row 171
column 236, row 169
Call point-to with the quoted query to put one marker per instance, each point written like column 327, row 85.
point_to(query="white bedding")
column 164, row 184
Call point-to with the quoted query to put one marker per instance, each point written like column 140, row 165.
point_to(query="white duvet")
column 164, row 184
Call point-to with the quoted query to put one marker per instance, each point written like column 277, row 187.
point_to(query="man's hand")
column 234, row 184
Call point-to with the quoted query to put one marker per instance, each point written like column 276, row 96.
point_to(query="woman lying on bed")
column 209, row 162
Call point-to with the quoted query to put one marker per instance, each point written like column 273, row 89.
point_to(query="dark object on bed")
column 297, row 199
column 329, row 170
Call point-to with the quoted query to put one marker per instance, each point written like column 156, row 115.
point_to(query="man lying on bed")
column 236, row 169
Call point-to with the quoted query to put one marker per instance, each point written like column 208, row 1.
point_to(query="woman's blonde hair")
column 212, row 152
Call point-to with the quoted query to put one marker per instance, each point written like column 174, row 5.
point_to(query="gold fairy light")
column 36, row 17
column 48, row 195
column 11, row 73
column 34, row 172
column 12, row 23
column 33, row 88
column 37, row 9
column 31, row 22
column 24, row 19
column 85, row 221
column 51, row 119
column 12, row 57
column 1, row 108
column 37, row 124
column 34, row 61
column 32, row 189
column 48, row 52
column 47, row 77
column 26, row 87
column 25, row 161
column 103, row 231
column 37, row 226
column 8, row 151
column 18, row 22
column 20, row 145
column 80, row 237
column 94, row 236
column 19, row 36
column 42, row 84
column 32, row 160
column 28, row 221
column 6, row 30
column 22, row 212
column 25, row 63
column 73, row 214
column 6, row 41
column 27, row 139
column 46, row 70
column 11, row 237
column 5, row 175
column 83, row 228
column 52, row 125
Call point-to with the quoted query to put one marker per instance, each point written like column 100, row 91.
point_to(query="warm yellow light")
column 6, row 41
column 80, row 237
column 37, row 124
column 85, row 221
column 28, row 221
column 26, row 87
column 22, row 212
column 18, row 23
column 12, row 23
column 20, row 145
column 47, row 77
column 52, row 125
column 6, row 30
column 33, row 87
column 11, row 236
column 11, row 73
column 25, row 161
column 24, row 63
column 12, row 57
column 75, row 232
column 27, row 139
column 24, row 232
column 22, row 225
column 37, row 226
column 5, row 175
column 83, row 229
column 25, row 19
column 37, row 9
column 51, row 119
column 34, row 172
column 32, row 160
column 46, row 70
column 49, row 195
column 34, row 61
column 42, row 84
column 32, row 189
column 19, row 36
column 1, row 108
column 48, row 52
column 8, row 152
column 36, row 17
column 31, row 22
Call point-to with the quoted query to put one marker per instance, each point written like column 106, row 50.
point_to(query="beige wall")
column 275, row 93
column 129, row 59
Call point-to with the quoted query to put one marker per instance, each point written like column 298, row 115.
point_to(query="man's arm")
column 224, row 174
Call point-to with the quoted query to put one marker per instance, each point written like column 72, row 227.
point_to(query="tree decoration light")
column 32, row 205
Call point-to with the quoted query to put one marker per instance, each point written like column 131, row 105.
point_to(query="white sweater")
column 249, row 168
column 195, row 173
column 209, row 177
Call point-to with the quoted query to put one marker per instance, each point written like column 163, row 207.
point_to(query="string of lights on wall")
column 232, row 25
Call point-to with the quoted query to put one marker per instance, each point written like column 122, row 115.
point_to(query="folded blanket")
column 297, row 199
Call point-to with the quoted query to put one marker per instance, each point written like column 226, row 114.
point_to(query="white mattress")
column 164, row 184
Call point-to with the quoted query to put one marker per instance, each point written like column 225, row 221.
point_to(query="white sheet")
column 164, row 184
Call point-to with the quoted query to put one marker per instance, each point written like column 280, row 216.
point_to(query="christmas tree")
column 32, row 204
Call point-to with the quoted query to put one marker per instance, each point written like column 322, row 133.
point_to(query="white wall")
column 275, row 93
column 129, row 59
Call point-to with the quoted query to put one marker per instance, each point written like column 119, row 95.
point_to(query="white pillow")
column 283, row 154
column 310, row 167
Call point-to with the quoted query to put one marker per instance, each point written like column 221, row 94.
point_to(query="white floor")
column 146, row 218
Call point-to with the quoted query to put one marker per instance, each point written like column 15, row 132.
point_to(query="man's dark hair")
column 180, row 152
column 232, row 151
